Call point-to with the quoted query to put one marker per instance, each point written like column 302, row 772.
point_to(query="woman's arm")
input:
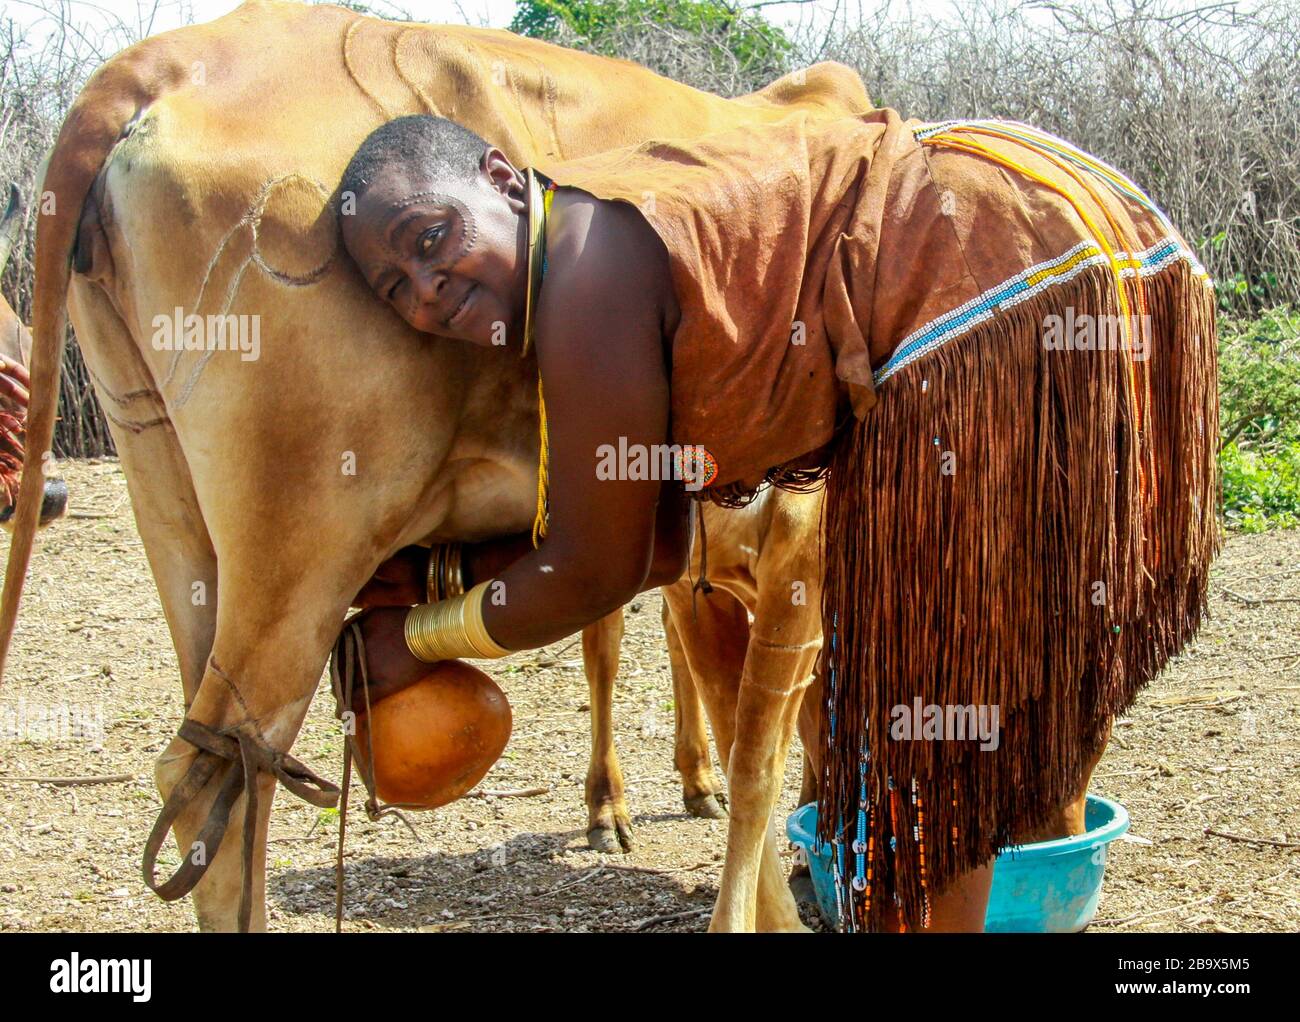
column 669, row 559
column 600, row 353
column 402, row 580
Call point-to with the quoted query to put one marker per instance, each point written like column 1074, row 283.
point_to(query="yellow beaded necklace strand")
column 539, row 211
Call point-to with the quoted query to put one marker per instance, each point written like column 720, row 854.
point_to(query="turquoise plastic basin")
column 1048, row 887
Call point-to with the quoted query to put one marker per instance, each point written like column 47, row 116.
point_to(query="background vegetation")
column 1200, row 106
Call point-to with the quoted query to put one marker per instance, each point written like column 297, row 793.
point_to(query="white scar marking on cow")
column 785, row 645
column 206, row 357
column 103, row 391
column 252, row 220
column 749, row 683
column 471, row 70
column 216, row 257
column 387, row 114
column 406, row 78
column 550, row 105
column 203, row 286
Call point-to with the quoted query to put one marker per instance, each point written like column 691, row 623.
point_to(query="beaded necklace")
column 539, row 210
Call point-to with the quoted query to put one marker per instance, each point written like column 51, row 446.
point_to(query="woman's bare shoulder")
column 607, row 298
column 591, row 235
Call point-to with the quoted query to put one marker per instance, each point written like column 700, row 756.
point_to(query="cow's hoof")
column 604, row 838
column 707, row 807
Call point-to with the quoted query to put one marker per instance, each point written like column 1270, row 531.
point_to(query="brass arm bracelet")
column 450, row 629
column 453, row 578
column 444, row 578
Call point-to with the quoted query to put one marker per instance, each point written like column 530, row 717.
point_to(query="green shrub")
column 709, row 44
column 1259, row 380
column 1259, row 418
column 1260, row 491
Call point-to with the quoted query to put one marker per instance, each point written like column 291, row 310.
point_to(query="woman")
column 454, row 262
column 869, row 302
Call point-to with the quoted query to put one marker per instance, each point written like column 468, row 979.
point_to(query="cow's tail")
column 115, row 95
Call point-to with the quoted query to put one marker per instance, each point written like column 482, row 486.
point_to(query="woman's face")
column 450, row 257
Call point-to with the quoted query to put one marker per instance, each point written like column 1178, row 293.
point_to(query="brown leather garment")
column 806, row 249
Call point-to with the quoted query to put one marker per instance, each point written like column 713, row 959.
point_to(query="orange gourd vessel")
column 434, row 740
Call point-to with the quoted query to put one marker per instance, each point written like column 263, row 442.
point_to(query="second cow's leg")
column 701, row 793
column 715, row 640
column 809, row 724
column 609, row 824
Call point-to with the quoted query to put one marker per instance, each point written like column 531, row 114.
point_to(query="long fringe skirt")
column 1018, row 527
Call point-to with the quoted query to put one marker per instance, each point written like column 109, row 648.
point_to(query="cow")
column 195, row 177
column 15, row 351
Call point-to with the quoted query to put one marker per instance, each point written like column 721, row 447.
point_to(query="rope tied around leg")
column 247, row 753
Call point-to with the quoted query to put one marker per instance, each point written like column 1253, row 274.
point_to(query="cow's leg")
column 713, row 637
column 609, row 824
column 171, row 528
column 279, row 599
column 784, row 642
column 718, row 648
column 166, row 509
column 701, row 793
column 270, row 647
column 809, row 724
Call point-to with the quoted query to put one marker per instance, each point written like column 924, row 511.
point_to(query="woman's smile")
column 465, row 304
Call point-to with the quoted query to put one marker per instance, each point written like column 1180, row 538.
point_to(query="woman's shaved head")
column 422, row 148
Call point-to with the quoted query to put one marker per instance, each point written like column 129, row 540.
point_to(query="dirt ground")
column 1213, row 745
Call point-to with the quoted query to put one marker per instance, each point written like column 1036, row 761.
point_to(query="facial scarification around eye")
column 468, row 227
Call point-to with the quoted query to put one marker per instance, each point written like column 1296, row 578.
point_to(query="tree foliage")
column 740, row 48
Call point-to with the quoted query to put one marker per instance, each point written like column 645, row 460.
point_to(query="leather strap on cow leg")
column 346, row 661
column 701, row 584
column 247, row 753
column 209, row 838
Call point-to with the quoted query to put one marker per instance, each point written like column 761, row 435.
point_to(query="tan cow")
column 193, row 178
column 15, row 351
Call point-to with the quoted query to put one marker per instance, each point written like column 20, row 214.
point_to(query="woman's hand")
column 401, row 581
column 15, row 387
column 390, row 664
